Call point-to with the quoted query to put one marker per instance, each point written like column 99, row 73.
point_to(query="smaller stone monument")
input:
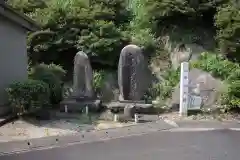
column 82, row 94
column 82, row 77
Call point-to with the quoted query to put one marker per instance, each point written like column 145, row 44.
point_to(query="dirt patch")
column 23, row 130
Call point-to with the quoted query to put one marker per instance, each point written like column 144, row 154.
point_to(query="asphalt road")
column 200, row 145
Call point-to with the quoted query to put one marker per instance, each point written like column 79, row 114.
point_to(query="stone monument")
column 132, row 81
column 131, row 74
column 82, row 77
column 82, row 94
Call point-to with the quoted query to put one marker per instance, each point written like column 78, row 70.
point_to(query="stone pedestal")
column 129, row 111
column 120, row 106
column 76, row 105
column 131, row 102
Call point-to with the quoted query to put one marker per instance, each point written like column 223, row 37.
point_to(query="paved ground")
column 220, row 144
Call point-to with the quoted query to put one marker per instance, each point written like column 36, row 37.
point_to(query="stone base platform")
column 131, row 102
column 141, row 106
column 78, row 106
column 122, row 104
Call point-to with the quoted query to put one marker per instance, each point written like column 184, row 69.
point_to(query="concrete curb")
column 208, row 124
column 83, row 137
column 170, row 122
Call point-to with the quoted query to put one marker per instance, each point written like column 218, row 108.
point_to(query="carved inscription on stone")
column 131, row 73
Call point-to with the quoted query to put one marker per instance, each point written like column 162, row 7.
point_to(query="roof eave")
column 17, row 17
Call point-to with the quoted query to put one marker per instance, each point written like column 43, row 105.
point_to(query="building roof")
column 16, row 17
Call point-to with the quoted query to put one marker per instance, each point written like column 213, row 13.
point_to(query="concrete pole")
column 184, row 84
column 116, row 118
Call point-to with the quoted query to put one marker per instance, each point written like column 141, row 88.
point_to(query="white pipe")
column 116, row 117
column 136, row 118
column 65, row 109
column 86, row 110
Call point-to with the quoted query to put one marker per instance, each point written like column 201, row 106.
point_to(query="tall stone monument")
column 133, row 82
column 131, row 74
column 82, row 94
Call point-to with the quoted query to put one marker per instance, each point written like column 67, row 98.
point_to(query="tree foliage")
column 96, row 27
column 228, row 24
column 101, row 28
column 223, row 16
column 27, row 6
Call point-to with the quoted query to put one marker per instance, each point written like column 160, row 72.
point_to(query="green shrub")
column 230, row 99
column 235, row 75
column 163, row 89
column 217, row 65
column 98, row 80
column 52, row 75
column 57, row 70
column 28, row 95
column 171, row 79
column 234, row 92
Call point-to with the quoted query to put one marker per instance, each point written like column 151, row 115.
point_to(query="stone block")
column 78, row 106
column 208, row 88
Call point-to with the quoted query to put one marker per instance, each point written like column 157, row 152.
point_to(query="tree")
column 96, row 27
column 227, row 21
